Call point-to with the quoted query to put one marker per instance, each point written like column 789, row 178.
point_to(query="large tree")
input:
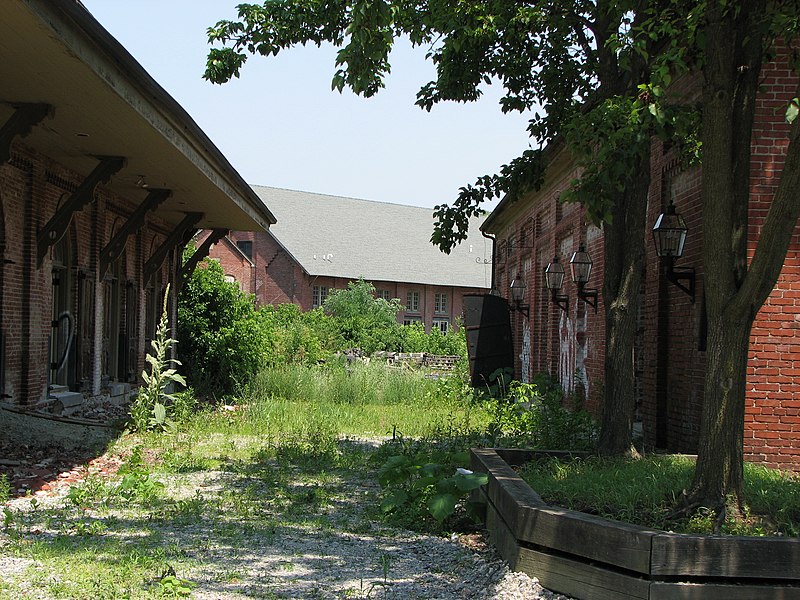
column 729, row 43
column 581, row 65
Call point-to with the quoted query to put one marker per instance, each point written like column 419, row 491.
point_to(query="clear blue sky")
column 281, row 125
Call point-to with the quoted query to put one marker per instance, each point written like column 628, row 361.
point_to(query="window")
column 318, row 295
column 412, row 301
column 246, row 247
column 440, row 304
column 384, row 294
column 442, row 325
column 411, row 320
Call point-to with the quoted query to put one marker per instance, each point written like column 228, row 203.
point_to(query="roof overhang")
column 105, row 104
column 509, row 209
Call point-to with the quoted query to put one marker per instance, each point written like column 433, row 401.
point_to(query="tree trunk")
column 720, row 457
column 624, row 263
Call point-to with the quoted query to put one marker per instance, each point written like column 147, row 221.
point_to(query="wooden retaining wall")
column 592, row 558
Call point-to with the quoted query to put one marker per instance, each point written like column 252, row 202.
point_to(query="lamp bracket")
column 677, row 276
column 560, row 300
column 519, row 307
column 589, row 296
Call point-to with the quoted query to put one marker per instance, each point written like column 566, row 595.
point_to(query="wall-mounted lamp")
column 669, row 235
column 581, row 266
column 553, row 280
column 518, row 288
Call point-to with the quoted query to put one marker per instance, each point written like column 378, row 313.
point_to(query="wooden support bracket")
column 57, row 225
column 20, row 123
column 135, row 222
column 199, row 254
column 154, row 262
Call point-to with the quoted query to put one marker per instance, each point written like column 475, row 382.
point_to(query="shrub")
column 416, row 486
column 223, row 340
column 298, row 338
column 534, row 414
column 452, row 343
column 362, row 320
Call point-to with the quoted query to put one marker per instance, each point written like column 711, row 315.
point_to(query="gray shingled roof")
column 350, row 238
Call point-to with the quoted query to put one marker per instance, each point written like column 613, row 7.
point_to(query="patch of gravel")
column 335, row 553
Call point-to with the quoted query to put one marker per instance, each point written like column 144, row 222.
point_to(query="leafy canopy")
column 553, row 59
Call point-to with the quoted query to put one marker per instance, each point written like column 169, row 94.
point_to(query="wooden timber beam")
column 57, row 225
column 154, row 262
column 20, row 123
column 200, row 253
column 135, row 222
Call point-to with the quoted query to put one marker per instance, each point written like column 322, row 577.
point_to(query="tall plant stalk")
column 149, row 410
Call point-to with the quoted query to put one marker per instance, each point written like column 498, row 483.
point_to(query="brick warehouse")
column 670, row 355
column 322, row 242
column 103, row 179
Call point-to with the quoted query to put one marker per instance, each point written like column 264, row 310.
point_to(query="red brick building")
column 103, row 180
column 322, row 242
column 670, row 355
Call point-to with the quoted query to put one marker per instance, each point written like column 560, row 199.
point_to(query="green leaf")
column 792, row 110
column 395, row 499
column 442, row 506
column 159, row 413
column 467, row 483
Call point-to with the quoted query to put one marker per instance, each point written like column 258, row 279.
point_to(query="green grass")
column 645, row 492
column 276, row 463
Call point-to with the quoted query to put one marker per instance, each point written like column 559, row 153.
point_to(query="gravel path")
column 333, row 552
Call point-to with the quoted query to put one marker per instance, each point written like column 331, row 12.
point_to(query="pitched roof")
column 350, row 238
column 104, row 103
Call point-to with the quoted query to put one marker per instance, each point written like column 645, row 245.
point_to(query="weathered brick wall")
column 32, row 187
column 567, row 344
column 279, row 279
column 670, row 357
column 673, row 361
column 772, row 417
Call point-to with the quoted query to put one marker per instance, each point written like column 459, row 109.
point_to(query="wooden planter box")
column 592, row 558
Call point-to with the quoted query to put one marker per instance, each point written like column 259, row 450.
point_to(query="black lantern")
column 581, row 266
column 518, row 288
column 669, row 235
column 553, row 280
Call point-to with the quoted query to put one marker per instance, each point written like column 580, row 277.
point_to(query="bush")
column 223, row 339
column 362, row 320
column 296, row 337
column 452, row 343
column 534, row 415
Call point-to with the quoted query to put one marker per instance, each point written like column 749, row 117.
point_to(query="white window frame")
column 411, row 320
column 384, row 294
column 412, row 301
column 441, row 324
column 440, row 303
column 319, row 293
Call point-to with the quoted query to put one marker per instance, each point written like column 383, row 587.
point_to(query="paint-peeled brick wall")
column 567, row 344
column 670, row 357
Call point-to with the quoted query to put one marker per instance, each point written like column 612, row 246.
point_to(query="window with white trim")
column 442, row 325
column 384, row 294
column 440, row 304
column 411, row 320
column 412, row 301
column 318, row 295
